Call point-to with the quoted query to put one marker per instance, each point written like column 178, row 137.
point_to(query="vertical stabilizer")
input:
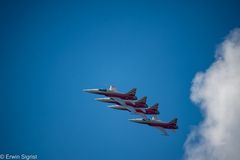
column 155, row 106
column 174, row 121
column 132, row 91
column 143, row 100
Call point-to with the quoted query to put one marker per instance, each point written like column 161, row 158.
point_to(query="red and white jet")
column 141, row 103
column 140, row 111
column 155, row 122
column 112, row 92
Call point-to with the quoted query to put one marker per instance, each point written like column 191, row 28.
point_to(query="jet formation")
column 129, row 102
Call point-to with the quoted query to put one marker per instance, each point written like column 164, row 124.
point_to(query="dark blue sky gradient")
column 50, row 51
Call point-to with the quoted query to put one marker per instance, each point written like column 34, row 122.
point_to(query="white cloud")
column 217, row 93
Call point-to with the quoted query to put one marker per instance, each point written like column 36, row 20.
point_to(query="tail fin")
column 174, row 121
column 155, row 106
column 142, row 100
column 132, row 91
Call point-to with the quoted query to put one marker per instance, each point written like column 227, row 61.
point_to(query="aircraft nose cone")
column 132, row 120
column 135, row 120
column 90, row 90
column 101, row 99
column 113, row 107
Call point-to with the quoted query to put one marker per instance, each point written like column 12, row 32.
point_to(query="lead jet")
column 141, row 103
column 155, row 122
column 112, row 92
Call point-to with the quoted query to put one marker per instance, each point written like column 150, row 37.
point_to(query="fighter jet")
column 140, row 111
column 141, row 103
column 112, row 92
column 155, row 122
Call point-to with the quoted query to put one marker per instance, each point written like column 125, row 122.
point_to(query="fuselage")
column 131, row 103
column 148, row 111
column 110, row 93
column 156, row 123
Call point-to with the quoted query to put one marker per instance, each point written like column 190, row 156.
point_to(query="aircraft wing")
column 122, row 103
column 162, row 130
column 131, row 109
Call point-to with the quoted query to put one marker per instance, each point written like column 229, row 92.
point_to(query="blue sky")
column 50, row 51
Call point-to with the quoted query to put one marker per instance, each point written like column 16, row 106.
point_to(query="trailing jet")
column 140, row 111
column 112, row 92
column 155, row 122
column 141, row 103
